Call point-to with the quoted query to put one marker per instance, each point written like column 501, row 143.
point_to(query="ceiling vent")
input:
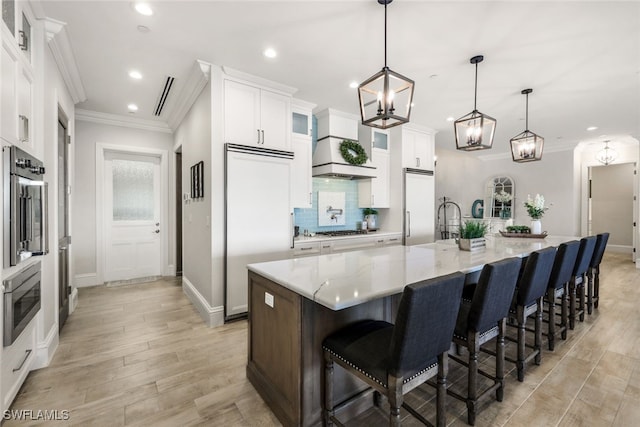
column 163, row 96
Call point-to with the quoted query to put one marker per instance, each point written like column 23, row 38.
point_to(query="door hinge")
column 69, row 139
column 590, row 189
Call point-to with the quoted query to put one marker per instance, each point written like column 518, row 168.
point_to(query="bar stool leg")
column 521, row 343
column 472, row 386
column 328, row 389
column 596, row 287
column 551, row 332
column 581, row 299
column 572, row 303
column 590, row 290
column 538, row 331
column 441, row 404
column 502, row 325
column 564, row 312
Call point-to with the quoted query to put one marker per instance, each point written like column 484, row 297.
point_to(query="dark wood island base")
column 285, row 350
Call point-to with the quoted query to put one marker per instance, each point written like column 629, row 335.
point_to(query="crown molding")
column 196, row 81
column 241, row 75
column 60, row 46
column 122, row 121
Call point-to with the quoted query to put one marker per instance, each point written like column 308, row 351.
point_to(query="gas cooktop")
column 336, row 233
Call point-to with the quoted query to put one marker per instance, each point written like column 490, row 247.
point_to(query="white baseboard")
column 212, row 316
column 171, row 270
column 85, row 280
column 73, row 301
column 46, row 349
column 619, row 249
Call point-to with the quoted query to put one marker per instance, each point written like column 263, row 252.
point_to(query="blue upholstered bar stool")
column 577, row 282
column 394, row 359
column 528, row 301
column 480, row 320
column 561, row 272
column 593, row 274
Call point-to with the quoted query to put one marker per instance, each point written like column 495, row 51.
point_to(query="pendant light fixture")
column 526, row 146
column 607, row 155
column 475, row 130
column 386, row 97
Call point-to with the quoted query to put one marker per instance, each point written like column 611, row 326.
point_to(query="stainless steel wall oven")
column 25, row 206
column 21, row 301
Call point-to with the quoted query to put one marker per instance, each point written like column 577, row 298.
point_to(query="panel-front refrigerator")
column 259, row 222
column 419, row 206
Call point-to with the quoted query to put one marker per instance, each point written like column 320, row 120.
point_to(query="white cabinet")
column 374, row 192
column 306, row 249
column 417, row 149
column 16, row 363
column 16, row 74
column 301, row 180
column 255, row 116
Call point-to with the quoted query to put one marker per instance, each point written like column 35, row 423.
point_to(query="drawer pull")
column 306, row 249
column 26, row 356
column 325, row 247
column 380, row 241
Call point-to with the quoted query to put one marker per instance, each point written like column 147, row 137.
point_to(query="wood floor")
column 140, row 355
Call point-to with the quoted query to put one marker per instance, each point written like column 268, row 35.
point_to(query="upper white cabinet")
column 256, row 116
column 374, row 192
column 16, row 78
column 417, row 149
column 301, row 180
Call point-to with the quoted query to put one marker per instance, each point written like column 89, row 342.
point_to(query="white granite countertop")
column 345, row 279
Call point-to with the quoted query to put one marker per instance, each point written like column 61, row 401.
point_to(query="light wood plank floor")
column 140, row 355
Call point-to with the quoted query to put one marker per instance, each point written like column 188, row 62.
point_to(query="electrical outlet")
column 268, row 299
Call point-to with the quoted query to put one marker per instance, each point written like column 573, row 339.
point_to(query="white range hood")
column 333, row 128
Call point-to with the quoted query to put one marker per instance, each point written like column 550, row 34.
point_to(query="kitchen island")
column 294, row 304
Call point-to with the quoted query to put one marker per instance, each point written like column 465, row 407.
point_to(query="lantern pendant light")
column 386, row 97
column 607, row 155
column 526, row 146
column 475, row 130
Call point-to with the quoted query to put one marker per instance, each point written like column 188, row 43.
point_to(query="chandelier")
column 385, row 98
column 607, row 155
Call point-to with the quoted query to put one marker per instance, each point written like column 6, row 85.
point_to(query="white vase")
column 536, row 226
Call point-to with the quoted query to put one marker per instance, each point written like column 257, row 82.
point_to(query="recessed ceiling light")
column 132, row 107
column 143, row 9
column 135, row 74
column 590, row 128
column 413, row 104
column 450, row 119
column 354, row 85
column 270, row 53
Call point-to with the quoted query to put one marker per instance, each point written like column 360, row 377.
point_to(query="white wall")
column 84, row 204
column 50, row 88
column 463, row 177
column 194, row 137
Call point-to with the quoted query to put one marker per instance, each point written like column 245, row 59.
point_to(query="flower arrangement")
column 535, row 207
column 502, row 196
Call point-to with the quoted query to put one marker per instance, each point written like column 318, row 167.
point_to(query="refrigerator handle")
column 291, row 230
column 408, row 224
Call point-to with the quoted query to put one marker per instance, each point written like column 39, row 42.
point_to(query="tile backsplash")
column 308, row 218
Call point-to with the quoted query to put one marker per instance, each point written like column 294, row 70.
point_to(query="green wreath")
column 348, row 147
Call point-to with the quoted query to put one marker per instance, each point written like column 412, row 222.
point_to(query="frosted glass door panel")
column 133, row 195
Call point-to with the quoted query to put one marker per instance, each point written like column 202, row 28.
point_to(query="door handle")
column 155, row 232
column 258, row 136
column 262, row 136
column 408, row 224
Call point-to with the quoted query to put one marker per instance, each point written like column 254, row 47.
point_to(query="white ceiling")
column 582, row 58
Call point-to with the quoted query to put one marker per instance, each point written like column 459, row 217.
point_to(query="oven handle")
column 30, row 218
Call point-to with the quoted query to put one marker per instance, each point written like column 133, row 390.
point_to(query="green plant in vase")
column 472, row 235
column 371, row 217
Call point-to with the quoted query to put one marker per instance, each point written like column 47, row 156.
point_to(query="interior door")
column 64, row 239
column 132, row 217
column 419, row 208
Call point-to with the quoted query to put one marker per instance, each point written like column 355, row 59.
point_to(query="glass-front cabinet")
column 499, row 198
